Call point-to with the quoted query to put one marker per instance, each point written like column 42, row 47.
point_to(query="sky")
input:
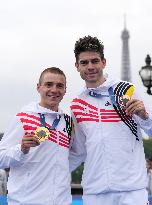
column 36, row 34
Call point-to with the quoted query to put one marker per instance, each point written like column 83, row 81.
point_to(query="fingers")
column 28, row 141
column 136, row 107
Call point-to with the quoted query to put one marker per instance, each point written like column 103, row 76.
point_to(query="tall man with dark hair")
column 36, row 147
column 107, row 117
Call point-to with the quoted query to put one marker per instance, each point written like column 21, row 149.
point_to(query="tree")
column 148, row 147
column 77, row 175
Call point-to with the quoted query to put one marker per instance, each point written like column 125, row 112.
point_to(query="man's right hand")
column 28, row 141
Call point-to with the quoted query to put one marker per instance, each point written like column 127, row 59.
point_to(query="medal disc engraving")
column 127, row 96
column 42, row 133
column 123, row 100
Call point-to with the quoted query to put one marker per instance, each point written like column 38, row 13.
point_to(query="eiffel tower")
column 125, row 66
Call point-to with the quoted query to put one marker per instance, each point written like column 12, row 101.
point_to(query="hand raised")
column 28, row 141
column 136, row 107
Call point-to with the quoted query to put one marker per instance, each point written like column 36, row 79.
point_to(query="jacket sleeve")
column 10, row 145
column 145, row 125
column 77, row 153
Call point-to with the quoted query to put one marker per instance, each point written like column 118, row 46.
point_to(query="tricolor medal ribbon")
column 42, row 133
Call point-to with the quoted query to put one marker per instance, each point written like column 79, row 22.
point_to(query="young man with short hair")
column 36, row 147
column 107, row 118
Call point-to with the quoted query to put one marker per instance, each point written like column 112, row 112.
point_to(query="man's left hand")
column 136, row 107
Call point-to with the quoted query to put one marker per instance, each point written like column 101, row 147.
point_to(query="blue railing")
column 76, row 200
column 3, row 200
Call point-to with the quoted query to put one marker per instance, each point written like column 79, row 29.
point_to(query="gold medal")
column 124, row 99
column 42, row 133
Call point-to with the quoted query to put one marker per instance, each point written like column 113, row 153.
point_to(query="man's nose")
column 90, row 66
column 54, row 88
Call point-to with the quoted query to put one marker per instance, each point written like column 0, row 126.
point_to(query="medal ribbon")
column 54, row 124
column 111, row 95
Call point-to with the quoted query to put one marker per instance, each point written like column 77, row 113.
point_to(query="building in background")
column 125, row 61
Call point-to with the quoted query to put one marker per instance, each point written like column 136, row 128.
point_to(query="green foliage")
column 148, row 147
column 77, row 175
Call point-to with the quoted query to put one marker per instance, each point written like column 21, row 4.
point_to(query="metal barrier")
column 3, row 200
column 76, row 189
column 76, row 200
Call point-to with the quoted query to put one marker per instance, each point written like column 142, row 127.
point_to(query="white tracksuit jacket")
column 42, row 176
column 108, row 141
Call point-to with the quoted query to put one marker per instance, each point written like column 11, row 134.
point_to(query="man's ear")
column 38, row 86
column 77, row 66
column 65, row 89
column 104, row 62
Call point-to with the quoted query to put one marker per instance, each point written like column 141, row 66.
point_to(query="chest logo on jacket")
column 118, row 98
column 93, row 113
column 107, row 103
column 32, row 122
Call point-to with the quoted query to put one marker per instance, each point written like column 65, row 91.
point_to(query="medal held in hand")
column 125, row 98
column 42, row 133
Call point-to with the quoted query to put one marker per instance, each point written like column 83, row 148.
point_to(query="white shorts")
column 138, row 197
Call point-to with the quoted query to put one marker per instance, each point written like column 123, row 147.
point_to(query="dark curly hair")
column 88, row 43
